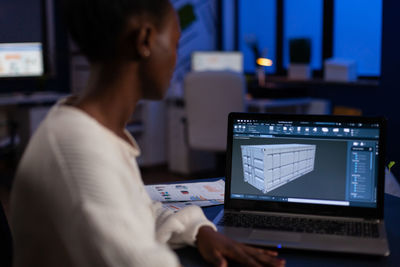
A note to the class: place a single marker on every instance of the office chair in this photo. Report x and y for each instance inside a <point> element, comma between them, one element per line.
<point>209,97</point>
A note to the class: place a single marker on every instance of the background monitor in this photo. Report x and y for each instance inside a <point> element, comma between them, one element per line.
<point>22,38</point>
<point>21,59</point>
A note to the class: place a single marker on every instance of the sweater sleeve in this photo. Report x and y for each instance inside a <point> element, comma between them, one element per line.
<point>180,228</point>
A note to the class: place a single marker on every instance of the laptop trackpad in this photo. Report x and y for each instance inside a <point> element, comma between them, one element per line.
<point>274,236</point>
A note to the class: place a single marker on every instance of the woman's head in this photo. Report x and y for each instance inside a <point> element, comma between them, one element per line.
<point>96,25</point>
<point>144,32</point>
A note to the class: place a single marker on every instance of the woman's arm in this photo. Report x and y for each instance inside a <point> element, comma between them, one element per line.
<point>180,228</point>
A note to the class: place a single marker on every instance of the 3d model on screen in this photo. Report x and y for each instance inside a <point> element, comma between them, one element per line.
<point>267,167</point>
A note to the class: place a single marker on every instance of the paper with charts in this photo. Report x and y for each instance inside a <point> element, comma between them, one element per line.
<point>201,191</point>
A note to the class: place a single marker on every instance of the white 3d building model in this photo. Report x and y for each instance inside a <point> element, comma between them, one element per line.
<point>267,167</point>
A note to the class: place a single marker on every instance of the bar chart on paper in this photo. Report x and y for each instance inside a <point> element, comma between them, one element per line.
<point>187,191</point>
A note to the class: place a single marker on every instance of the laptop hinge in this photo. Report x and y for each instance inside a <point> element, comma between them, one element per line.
<point>372,220</point>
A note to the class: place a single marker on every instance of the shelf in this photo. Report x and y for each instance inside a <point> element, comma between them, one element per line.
<point>282,81</point>
<point>282,87</point>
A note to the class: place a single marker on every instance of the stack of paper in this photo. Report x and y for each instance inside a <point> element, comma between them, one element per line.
<point>178,196</point>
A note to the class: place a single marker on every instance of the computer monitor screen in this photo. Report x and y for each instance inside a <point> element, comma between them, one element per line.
<point>21,59</point>
<point>217,61</point>
<point>22,38</point>
<point>315,162</point>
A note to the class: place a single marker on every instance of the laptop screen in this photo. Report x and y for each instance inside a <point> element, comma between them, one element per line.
<point>305,161</point>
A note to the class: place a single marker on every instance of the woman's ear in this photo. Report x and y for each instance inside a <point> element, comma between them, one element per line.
<point>144,43</point>
<point>138,41</point>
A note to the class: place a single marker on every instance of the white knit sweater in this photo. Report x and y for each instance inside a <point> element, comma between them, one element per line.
<point>79,200</point>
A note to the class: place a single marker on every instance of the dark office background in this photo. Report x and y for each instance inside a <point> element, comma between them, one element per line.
<point>12,14</point>
<point>354,31</point>
<point>372,23</point>
<point>385,99</point>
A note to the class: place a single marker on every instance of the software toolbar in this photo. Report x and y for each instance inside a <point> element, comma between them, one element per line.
<point>319,129</point>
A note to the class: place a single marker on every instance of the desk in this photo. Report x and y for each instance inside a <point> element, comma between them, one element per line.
<point>191,258</point>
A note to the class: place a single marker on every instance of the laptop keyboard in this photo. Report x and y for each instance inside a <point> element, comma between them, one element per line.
<point>301,225</point>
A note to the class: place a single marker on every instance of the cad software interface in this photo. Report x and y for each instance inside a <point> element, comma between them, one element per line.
<point>327,163</point>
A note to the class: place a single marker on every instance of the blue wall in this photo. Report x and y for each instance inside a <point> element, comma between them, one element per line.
<point>304,19</point>
<point>257,19</point>
<point>357,33</point>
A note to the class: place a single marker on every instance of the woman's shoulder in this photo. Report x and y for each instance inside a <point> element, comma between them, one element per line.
<point>68,129</point>
<point>62,118</point>
<point>69,123</point>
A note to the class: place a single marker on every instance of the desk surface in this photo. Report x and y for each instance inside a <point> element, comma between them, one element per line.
<point>191,258</point>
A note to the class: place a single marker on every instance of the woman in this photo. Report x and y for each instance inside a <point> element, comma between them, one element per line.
<point>78,197</point>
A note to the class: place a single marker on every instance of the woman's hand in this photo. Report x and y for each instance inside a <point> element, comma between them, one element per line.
<point>217,249</point>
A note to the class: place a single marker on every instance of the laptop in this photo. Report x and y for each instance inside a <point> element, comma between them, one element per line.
<point>305,182</point>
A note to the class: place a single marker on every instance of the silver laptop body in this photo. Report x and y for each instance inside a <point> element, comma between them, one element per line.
<point>305,182</point>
